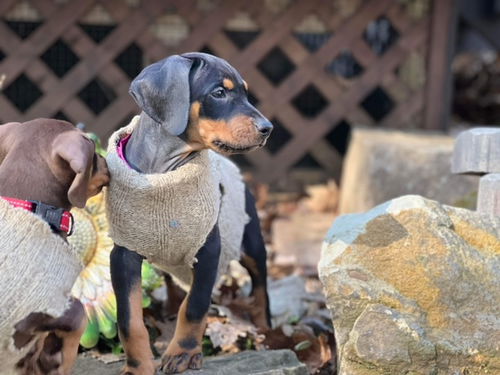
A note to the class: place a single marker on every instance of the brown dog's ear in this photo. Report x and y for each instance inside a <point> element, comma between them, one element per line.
<point>78,151</point>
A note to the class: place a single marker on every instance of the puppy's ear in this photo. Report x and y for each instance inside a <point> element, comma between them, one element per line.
<point>78,151</point>
<point>162,91</point>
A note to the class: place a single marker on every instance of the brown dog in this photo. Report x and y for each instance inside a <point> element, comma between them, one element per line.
<point>50,161</point>
<point>51,165</point>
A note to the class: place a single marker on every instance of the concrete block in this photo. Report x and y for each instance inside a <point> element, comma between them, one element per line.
<point>267,362</point>
<point>477,151</point>
<point>488,197</point>
<point>381,165</point>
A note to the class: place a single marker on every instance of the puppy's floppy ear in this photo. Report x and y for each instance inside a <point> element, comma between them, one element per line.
<point>162,91</point>
<point>78,151</point>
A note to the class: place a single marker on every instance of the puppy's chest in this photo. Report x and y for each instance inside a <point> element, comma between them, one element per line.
<point>167,217</point>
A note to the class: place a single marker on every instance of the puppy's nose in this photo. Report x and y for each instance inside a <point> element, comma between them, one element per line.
<point>264,127</point>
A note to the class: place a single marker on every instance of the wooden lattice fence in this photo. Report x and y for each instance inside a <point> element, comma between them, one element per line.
<point>315,67</point>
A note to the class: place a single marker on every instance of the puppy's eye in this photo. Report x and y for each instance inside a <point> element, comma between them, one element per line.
<point>218,93</point>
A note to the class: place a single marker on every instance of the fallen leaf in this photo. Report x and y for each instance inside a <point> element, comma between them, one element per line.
<point>166,332</point>
<point>317,352</point>
<point>303,345</point>
<point>227,332</point>
<point>322,198</point>
<point>106,357</point>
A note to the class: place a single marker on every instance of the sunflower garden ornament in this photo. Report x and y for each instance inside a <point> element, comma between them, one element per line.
<point>93,286</point>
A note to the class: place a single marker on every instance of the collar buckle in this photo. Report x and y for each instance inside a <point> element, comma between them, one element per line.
<point>54,217</point>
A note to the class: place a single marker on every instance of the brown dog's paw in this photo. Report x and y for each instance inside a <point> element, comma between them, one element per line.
<point>176,363</point>
<point>44,358</point>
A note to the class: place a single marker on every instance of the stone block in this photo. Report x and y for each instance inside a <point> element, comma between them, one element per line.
<point>477,151</point>
<point>488,198</point>
<point>267,362</point>
<point>381,165</point>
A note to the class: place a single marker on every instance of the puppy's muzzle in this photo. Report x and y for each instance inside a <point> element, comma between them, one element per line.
<point>264,127</point>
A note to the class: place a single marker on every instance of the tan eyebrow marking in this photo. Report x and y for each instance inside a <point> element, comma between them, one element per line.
<point>228,84</point>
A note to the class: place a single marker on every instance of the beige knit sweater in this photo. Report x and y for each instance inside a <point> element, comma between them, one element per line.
<point>37,271</point>
<point>167,217</point>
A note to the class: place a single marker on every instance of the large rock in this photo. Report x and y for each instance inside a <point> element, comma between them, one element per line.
<point>269,362</point>
<point>413,288</point>
<point>382,165</point>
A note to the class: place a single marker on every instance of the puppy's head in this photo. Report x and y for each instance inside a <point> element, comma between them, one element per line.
<point>202,99</point>
<point>75,157</point>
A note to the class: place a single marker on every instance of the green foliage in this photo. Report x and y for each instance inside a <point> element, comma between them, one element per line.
<point>114,345</point>
<point>151,280</point>
<point>207,347</point>
<point>98,145</point>
<point>249,344</point>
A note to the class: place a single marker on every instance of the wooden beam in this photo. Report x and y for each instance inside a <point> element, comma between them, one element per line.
<point>300,144</point>
<point>19,58</point>
<point>442,41</point>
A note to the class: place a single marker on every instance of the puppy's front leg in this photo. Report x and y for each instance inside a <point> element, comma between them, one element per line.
<point>126,279</point>
<point>184,351</point>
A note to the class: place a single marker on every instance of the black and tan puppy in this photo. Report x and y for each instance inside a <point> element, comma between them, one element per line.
<point>46,167</point>
<point>190,103</point>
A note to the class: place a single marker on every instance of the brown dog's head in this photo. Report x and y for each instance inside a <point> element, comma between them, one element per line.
<point>75,159</point>
<point>203,100</point>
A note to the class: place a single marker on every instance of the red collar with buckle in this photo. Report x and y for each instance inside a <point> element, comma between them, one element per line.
<point>58,218</point>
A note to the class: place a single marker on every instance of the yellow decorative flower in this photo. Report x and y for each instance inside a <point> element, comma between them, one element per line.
<point>93,286</point>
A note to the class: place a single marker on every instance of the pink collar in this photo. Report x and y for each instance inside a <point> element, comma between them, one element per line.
<point>122,144</point>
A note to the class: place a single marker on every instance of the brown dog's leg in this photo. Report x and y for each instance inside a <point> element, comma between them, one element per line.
<point>77,320</point>
<point>184,351</point>
<point>126,279</point>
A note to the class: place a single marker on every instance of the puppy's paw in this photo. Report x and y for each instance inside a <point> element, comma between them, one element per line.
<point>180,362</point>
<point>139,367</point>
